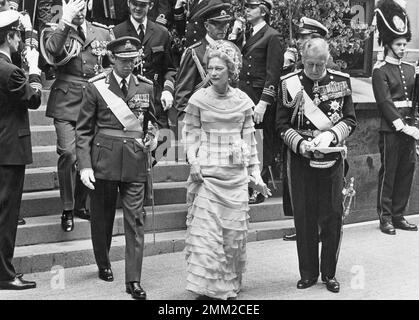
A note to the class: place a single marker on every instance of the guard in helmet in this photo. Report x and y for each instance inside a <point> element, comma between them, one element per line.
<point>393,83</point>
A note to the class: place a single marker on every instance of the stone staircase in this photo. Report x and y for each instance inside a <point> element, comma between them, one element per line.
<point>41,243</point>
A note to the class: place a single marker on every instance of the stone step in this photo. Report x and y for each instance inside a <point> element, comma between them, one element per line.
<point>47,229</point>
<point>38,118</point>
<point>44,156</point>
<point>43,135</point>
<point>43,257</point>
<point>44,203</point>
<point>46,178</point>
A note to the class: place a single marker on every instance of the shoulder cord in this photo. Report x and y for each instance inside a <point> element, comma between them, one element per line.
<point>75,48</point>
<point>295,103</point>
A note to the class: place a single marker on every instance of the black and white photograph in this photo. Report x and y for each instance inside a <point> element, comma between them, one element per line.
<point>207,156</point>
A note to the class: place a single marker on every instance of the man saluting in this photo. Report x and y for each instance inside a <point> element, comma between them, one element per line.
<point>114,136</point>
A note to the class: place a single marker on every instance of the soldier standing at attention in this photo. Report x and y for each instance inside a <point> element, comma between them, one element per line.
<point>315,110</point>
<point>76,48</point>
<point>114,136</point>
<point>17,95</point>
<point>393,83</point>
<point>262,64</point>
<point>157,56</point>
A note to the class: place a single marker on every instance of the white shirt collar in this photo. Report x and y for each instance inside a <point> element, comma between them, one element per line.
<point>119,79</point>
<point>258,27</point>
<point>392,60</point>
<point>209,39</point>
<point>137,25</point>
<point>6,54</point>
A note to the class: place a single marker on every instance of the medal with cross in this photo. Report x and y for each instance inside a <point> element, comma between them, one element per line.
<point>335,110</point>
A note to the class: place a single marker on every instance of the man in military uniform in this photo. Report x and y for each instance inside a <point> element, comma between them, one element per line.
<point>316,112</point>
<point>158,64</point>
<point>162,12</point>
<point>192,71</point>
<point>393,84</point>
<point>76,48</point>
<point>114,138</point>
<point>188,20</point>
<point>259,77</point>
<point>17,95</point>
<point>308,29</point>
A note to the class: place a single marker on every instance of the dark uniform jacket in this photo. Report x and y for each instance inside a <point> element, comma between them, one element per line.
<point>16,96</point>
<point>335,103</point>
<point>262,64</point>
<point>393,82</point>
<point>158,62</point>
<point>162,12</point>
<point>68,89</point>
<point>191,27</point>
<point>111,158</point>
<point>188,78</point>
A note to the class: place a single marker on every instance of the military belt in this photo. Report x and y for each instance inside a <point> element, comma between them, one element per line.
<point>71,78</point>
<point>403,104</point>
<point>121,133</point>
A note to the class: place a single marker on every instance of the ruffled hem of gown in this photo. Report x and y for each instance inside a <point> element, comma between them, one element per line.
<point>216,239</point>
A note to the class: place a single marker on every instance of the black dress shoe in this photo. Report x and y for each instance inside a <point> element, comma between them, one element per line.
<point>135,290</point>
<point>106,274</point>
<point>290,237</point>
<point>17,284</point>
<point>21,222</point>
<point>306,283</point>
<point>82,214</point>
<point>387,227</point>
<point>67,221</point>
<point>331,284</point>
<point>256,198</point>
<point>404,225</point>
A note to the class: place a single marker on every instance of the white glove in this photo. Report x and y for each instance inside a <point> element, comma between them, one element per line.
<point>166,100</point>
<point>25,20</point>
<point>290,56</point>
<point>305,149</point>
<point>32,57</point>
<point>71,9</point>
<point>411,131</point>
<point>260,111</point>
<point>87,176</point>
<point>324,139</point>
<point>180,3</point>
<point>259,185</point>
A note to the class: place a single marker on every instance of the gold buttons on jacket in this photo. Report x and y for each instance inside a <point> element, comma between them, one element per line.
<point>125,141</point>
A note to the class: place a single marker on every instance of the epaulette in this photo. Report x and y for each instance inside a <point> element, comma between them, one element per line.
<point>379,64</point>
<point>52,25</point>
<point>339,73</point>
<point>144,79</point>
<point>100,25</point>
<point>196,44</point>
<point>291,74</point>
<point>99,76</point>
<point>409,63</point>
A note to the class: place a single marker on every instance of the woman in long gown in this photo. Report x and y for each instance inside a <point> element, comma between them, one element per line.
<point>221,149</point>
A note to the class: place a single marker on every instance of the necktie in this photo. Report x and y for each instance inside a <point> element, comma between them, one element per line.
<point>81,33</point>
<point>124,87</point>
<point>251,31</point>
<point>141,33</point>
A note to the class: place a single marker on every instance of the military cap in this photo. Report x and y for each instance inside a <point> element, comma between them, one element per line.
<point>215,10</point>
<point>268,3</point>
<point>125,47</point>
<point>392,22</point>
<point>310,26</point>
<point>9,20</point>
